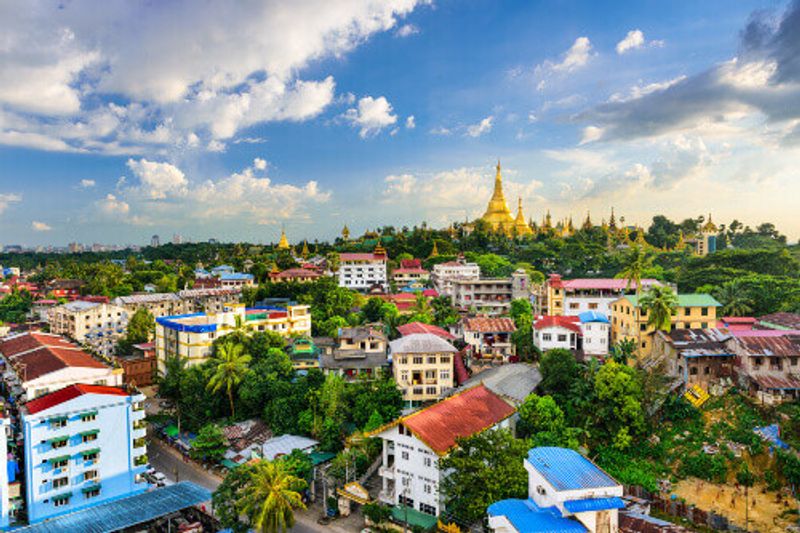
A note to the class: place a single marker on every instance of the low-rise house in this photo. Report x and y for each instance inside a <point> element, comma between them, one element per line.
<point>444,274</point>
<point>296,275</point>
<point>696,356</point>
<point>629,321</point>
<point>490,296</point>
<point>488,338</point>
<point>39,363</point>
<point>575,296</point>
<point>413,444</point>
<point>567,493</point>
<point>285,445</point>
<point>304,354</point>
<point>552,332</point>
<point>359,351</point>
<point>413,328</point>
<point>410,274</point>
<point>236,280</point>
<point>422,364</point>
<point>41,309</point>
<point>407,301</point>
<point>363,271</point>
<point>513,382</point>
<point>65,288</point>
<point>769,365</point>
<point>97,325</point>
<point>781,321</point>
<point>139,367</point>
<point>596,332</point>
<point>84,445</point>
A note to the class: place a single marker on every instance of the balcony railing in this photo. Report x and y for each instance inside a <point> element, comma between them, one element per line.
<point>140,461</point>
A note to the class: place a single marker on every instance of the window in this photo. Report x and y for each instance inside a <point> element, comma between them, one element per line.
<point>89,417</point>
<point>546,337</point>
<point>562,338</point>
<point>89,437</point>
<point>432,360</point>
<point>706,370</point>
<point>404,456</point>
<point>757,361</point>
<point>793,361</point>
<point>90,475</point>
<point>404,376</point>
<point>428,462</point>
<point>428,490</point>
<point>573,305</point>
<point>427,509</point>
<point>60,443</point>
<point>60,501</point>
<point>60,482</point>
<point>704,325</point>
<point>431,391</point>
<point>704,311</point>
<point>402,360</point>
<point>445,374</point>
<point>59,422</point>
<point>93,492</point>
<point>592,306</point>
<point>60,463</point>
<point>90,456</point>
<point>444,359</point>
<point>417,360</point>
<point>643,327</point>
<point>430,374</point>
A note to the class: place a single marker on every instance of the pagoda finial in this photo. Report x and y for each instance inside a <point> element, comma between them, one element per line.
<point>283,244</point>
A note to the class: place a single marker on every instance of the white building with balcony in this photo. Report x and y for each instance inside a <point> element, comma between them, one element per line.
<point>363,271</point>
<point>490,296</point>
<point>98,325</point>
<point>444,274</point>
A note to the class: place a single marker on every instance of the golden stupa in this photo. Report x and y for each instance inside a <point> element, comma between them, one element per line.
<point>283,244</point>
<point>498,215</point>
<point>520,226</point>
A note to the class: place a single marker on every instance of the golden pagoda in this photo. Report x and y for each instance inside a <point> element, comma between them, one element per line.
<point>345,233</point>
<point>587,224</point>
<point>520,226</point>
<point>498,215</point>
<point>640,237</point>
<point>547,222</point>
<point>283,244</point>
<point>709,226</point>
<point>434,251</point>
<point>681,241</point>
<point>305,253</point>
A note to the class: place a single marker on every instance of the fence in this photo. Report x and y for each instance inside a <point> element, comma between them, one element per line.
<point>680,509</point>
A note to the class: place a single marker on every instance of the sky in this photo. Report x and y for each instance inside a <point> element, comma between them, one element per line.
<point>231,120</point>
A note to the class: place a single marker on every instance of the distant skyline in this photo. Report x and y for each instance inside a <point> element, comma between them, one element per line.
<point>120,120</point>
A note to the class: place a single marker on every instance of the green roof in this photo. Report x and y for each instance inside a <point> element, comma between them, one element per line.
<point>90,452</point>
<point>59,439</point>
<point>321,457</point>
<point>230,465</point>
<point>686,300</point>
<point>401,514</point>
<point>59,459</point>
<point>171,430</point>
<point>91,488</point>
<point>90,432</point>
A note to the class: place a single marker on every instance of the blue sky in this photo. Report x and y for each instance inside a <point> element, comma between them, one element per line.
<point>229,121</point>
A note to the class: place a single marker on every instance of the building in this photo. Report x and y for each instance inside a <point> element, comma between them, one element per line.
<point>596,331</point>
<point>363,271</point>
<point>781,321</point>
<point>84,445</point>
<point>695,356</point>
<point>191,336</point>
<point>552,332</point>
<point>413,444</point>
<point>694,311</point>
<point>211,300</point>
<point>575,296</point>
<point>159,304</point>
<point>65,288</point>
<point>420,327</point>
<point>769,366</point>
<point>567,493</point>
<point>705,242</point>
<point>5,489</point>
<point>410,274</point>
<point>444,274</point>
<point>498,215</point>
<point>39,363</point>
<point>296,275</point>
<point>304,354</point>
<point>490,296</point>
<point>97,325</point>
<point>155,241</point>
<point>236,280</point>
<point>422,364</point>
<point>359,351</point>
<point>513,382</point>
<point>488,338</point>
<point>139,367</point>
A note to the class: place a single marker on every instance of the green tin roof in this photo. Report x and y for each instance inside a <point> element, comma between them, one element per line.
<point>401,514</point>
<point>90,452</point>
<point>90,432</point>
<point>59,458</point>
<point>686,300</point>
<point>59,439</point>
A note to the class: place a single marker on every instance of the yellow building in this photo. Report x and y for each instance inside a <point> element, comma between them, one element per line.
<point>628,321</point>
<point>422,364</point>
<point>498,215</point>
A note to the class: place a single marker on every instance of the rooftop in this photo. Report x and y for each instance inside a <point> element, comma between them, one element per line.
<point>285,444</point>
<point>421,343</point>
<point>566,322</point>
<point>610,284</point>
<point>686,300</point>
<point>362,257</point>
<point>489,325</point>
<point>781,320</point>
<point>42,403</point>
<point>33,355</point>
<point>152,297</point>
<point>513,381</point>
<point>566,469</point>
<point>785,345</point>
<point>420,327</point>
<point>699,342</point>
<point>592,316</point>
<point>527,517</point>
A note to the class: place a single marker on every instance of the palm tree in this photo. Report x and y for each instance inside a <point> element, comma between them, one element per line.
<point>270,497</point>
<point>634,263</point>
<point>230,367</point>
<point>734,300</point>
<point>659,303</point>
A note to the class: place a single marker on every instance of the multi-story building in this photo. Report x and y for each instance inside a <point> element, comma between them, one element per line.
<point>628,321</point>
<point>490,296</point>
<point>422,364</point>
<point>84,445</point>
<point>159,304</point>
<point>363,271</point>
<point>191,336</point>
<point>566,493</point>
<point>297,275</point>
<point>410,274</point>
<point>572,297</point>
<point>359,351</point>
<point>488,338</point>
<point>768,363</point>
<point>212,300</point>
<point>97,325</point>
<point>596,331</point>
<point>139,367</point>
<point>236,280</point>
<point>5,497</point>
<point>198,300</point>
<point>701,357</point>
<point>41,363</point>
<point>413,444</point>
<point>444,274</point>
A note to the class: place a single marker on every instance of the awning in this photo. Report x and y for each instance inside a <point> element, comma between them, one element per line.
<point>90,452</point>
<point>57,419</point>
<point>318,458</point>
<point>58,459</point>
<point>90,432</point>
<point>88,413</point>
<point>63,495</point>
<point>594,504</point>
<point>90,488</point>
<point>57,440</point>
<point>402,514</point>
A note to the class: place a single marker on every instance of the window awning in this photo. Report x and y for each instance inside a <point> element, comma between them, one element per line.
<point>90,452</point>
<point>58,459</point>
<point>90,488</point>
<point>90,432</point>
<point>63,496</point>
<point>57,440</point>
<point>89,413</point>
<point>57,419</point>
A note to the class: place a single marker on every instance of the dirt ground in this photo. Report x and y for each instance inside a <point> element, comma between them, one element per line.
<point>764,509</point>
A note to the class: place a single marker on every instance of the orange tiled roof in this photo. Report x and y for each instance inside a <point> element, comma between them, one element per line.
<point>489,325</point>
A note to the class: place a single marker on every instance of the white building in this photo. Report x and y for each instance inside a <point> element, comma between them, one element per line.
<point>572,297</point>
<point>38,363</point>
<point>551,332</point>
<point>363,271</point>
<point>98,325</point>
<point>567,493</point>
<point>596,330</point>
<point>5,505</point>
<point>444,274</point>
<point>84,445</point>
<point>413,445</point>
<point>490,296</point>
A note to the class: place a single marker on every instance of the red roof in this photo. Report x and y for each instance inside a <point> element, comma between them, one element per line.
<point>489,325</point>
<point>362,257</point>
<point>611,284</point>
<point>411,263</point>
<point>463,415</point>
<point>409,271</point>
<point>566,322</point>
<point>35,354</point>
<point>461,373</point>
<point>296,273</point>
<point>419,327</point>
<point>69,393</point>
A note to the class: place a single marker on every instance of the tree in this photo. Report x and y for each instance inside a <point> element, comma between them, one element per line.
<point>225,499</point>
<point>230,365</point>
<point>623,350</point>
<point>659,304</point>
<point>209,444</point>
<point>298,464</point>
<point>140,326</point>
<point>559,373</point>
<point>270,497</point>
<point>444,314</point>
<point>619,415</point>
<point>372,309</point>
<point>542,420</point>
<point>635,261</point>
<point>485,468</point>
<point>735,300</point>
<point>169,382</point>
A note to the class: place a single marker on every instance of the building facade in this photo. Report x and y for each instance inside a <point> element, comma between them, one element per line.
<point>359,351</point>
<point>552,332</point>
<point>363,271</point>
<point>596,331</point>
<point>410,274</point>
<point>572,297</point>
<point>444,274</point>
<point>84,445</point>
<point>695,356</point>
<point>488,338</point>
<point>490,296</point>
<point>422,364</point>
<point>98,325</point>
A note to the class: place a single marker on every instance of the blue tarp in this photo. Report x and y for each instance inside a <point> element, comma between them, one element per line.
<point>772,434</point>
<point>12,467</point>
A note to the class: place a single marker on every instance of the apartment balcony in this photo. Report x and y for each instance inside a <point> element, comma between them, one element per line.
<point>386,471</point>
<point>139,432</point>
<point>387,496</point>
<point>140,460</point>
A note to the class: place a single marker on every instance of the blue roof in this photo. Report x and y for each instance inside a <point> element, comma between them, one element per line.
<point>527,517</point>
<point>772,433</point>
<point>594,504</point>
<point>235,276</point>
<point>566,469</point>
<point>592,316</point>
<point>173,323</point>
<point>125,512</point>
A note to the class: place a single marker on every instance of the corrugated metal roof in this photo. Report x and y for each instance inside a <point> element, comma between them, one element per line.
<point>786,345</point>
<point>687,300</point>
<point>285,444</point>
<point>593,316</point>
<point>126,512</point>
<point>594,504</point>
<point>489,325</point>
<point>421,343</point>
<point>566,469</point>
<point>527,517</point>
<point>514,381</point>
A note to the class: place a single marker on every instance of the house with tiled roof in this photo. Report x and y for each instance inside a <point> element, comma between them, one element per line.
<point>297,275</point>
<point>413,328</point>
<point>413,444</point>
<point>358,351</point>
<point>422,364</point>
<point>410,273</point>
<point>40,363</point>
<point>551,332</point>
<point>567,493</point>
<point>487,337</point>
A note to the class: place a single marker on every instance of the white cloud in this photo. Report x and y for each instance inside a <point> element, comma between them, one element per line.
<point>399,184</point>
<point>440,130</point>
<point>406,30</point>
<point>259,164</point>
<point>638,91</point>
<point>635,40</point>
<point>576,57</point>
<point>8,198</point>
<point>484,126</point>
<point>216,146</point>
<point>591,134</point>
<point>371,115</point>
<point>410,122</point>
<point>110,206</point>
<point>87,184</point>
<point>157,181</point>
<point>40,226</point>
<point>188,75</point>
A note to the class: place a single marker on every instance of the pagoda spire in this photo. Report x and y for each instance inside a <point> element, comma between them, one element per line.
<point>497,214</point>
<point>434,251</point>
<point>521,227</point>
<point>283,244</point>
<point>587,224</point>
<point>305,253</point>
